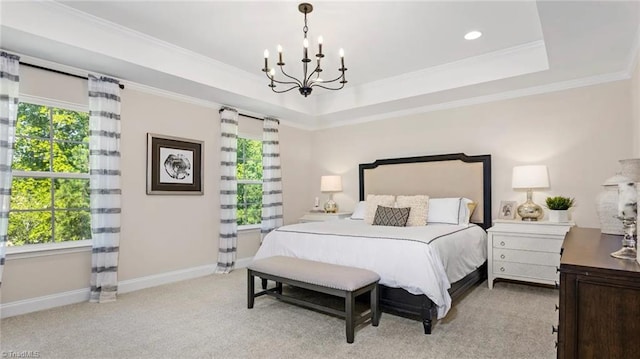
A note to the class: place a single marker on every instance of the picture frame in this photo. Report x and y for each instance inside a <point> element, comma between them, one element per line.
<point>507,210</point>
<point>174,165</point>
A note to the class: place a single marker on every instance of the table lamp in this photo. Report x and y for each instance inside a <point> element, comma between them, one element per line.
<point>330,184</point>
<point>529,178</point>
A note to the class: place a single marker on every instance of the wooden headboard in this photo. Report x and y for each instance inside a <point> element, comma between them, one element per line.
<point>449,175</point>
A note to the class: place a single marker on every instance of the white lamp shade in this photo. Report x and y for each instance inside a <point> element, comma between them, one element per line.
<point>330,183</point>
<point>526,177</point>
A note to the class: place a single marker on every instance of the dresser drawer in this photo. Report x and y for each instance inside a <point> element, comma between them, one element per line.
<point>527,243</point>
<point>526,270</point>
<point>529,257</point>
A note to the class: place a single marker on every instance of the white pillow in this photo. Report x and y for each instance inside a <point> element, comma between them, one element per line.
<point>373,201</point>
<point>444,210</point>
<point>419,205</point>
<point>360,210</point>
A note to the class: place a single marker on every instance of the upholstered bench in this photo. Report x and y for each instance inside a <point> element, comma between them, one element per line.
<point>337,280</point>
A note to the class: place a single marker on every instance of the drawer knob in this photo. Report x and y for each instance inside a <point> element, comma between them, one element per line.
<point>556,345</point>
<point>557,307</point>
<point>501,269</point>
<point>557,269</point>
<point>502,256</point>
<point>502,243</point>
<point>556,285</point>
<point>554,329</point>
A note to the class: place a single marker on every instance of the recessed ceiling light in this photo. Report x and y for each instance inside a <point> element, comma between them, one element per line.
<point>472,35</point>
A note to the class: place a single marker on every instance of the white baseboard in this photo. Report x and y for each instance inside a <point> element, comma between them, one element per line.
<point>82,295</point>
<point>45,302</point>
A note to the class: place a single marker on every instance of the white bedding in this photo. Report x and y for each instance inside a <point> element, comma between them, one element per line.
<point>420,259</point>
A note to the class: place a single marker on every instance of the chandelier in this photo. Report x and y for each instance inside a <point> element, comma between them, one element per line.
<point>309,79</point>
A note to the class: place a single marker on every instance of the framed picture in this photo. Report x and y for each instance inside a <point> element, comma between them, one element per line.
<point>508,209</point>
<point>174,165</point>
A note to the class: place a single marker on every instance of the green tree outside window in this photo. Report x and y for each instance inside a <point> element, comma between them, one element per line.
<point>50,189</point>
<point>249,174</point>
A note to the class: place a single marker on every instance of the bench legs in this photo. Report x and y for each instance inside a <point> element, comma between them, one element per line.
<point>348,308</point>
<point>250,289</point>
<point>349,303</point>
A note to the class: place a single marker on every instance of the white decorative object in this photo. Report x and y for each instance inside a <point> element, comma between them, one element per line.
<point>607,205</point>
<point>558,216</point>
<point>631,168</point>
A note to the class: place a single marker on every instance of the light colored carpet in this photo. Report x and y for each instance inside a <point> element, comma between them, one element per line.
<point>208,318</point>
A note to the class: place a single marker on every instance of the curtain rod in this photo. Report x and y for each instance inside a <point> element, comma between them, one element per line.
<point>59,72</point>
<point>242,114</point>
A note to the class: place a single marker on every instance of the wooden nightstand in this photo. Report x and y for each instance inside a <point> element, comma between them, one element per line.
<point>323,217</point>
<point>525,251</point>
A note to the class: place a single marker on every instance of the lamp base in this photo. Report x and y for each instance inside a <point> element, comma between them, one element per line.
<point>330,206</point>
<point>530,211</point>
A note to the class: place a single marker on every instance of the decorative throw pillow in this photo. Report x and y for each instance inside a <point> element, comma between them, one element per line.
<point>390,216</point>
<point>471,206</point>
<point>419,205</point>
<point>373,201</point>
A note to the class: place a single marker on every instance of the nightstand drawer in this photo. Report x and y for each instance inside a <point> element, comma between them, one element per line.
<point>527,243</point>
<point>526,270</point>
<point>528,257</point>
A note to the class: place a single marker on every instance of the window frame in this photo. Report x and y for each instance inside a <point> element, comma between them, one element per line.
<point>52,247</point>
<point>248,136</point>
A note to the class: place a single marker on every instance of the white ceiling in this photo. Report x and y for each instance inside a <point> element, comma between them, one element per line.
<point>403,57</point>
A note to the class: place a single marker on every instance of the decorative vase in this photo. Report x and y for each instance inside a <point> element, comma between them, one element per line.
<point>630,168</point>
<point>558,216</point>
<point>607,205</point>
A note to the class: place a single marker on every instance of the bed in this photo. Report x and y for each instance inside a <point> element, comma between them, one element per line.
<point>423,269</point>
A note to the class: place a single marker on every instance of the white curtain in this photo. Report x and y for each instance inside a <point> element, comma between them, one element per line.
<point>104,165</point>
<point>228,190</point>
<point>271,177</point>
<point>9,88</point>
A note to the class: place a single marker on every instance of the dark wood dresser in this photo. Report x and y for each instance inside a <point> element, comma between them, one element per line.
<point>599,298</point>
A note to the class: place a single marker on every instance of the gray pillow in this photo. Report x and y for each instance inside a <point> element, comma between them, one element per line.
<point>389,216</point>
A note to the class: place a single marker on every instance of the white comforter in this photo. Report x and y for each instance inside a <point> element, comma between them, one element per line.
<point>421,260</point>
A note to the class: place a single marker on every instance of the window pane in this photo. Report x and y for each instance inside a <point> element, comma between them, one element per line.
<point>29,228</point>
<point>71,193</point>
<point>72,225</point>
<point>249,203</point>
<point>33,120</point>
<point>249,159</point>
<point>70,157</point>
<point>30,193</point>
<point>31,155</point>
<point>70,125</point>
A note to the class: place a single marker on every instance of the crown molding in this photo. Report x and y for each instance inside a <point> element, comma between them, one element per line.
<point>632,60</point>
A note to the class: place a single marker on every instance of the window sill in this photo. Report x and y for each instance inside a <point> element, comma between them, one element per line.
<point>48,249</point>
<point>249,227</point>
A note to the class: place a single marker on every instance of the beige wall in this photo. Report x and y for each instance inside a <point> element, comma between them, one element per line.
<point>635,107</point>
<point>580,134</point>
<point>160,233</point>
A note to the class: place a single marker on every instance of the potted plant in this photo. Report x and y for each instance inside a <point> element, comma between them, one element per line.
<point>559,208</point>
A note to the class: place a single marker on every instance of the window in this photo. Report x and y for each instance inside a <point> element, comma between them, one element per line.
<point>249,174</point>
<point>50,189</point>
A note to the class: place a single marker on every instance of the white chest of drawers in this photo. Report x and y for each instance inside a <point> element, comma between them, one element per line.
<point>525,251</point>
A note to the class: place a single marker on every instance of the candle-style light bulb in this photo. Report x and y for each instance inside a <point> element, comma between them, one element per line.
<point>279,54</point>
<point>341,52</point>
<point>266,60</point>
<point>320,39</point>
<point>272,73</point>
<point>305,43</point>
